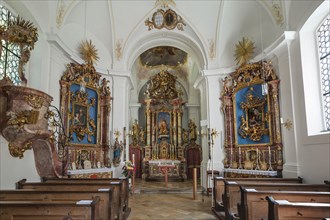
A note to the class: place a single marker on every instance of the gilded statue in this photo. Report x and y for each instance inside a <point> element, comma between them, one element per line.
<point>192,130</point>
<point>135,132</point>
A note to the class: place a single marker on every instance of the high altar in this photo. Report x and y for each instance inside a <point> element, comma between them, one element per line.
<point>164,145</point>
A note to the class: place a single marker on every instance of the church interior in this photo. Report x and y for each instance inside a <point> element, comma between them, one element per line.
<point>225,100</point>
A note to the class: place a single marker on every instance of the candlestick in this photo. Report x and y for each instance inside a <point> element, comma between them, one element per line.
<point>270,159</point>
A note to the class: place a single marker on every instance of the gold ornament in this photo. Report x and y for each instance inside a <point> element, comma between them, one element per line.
<point>88,52</point>
<point>244,51</point>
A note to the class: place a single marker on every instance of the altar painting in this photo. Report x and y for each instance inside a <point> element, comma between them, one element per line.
<point>83,115</point>
<point>252,118</point>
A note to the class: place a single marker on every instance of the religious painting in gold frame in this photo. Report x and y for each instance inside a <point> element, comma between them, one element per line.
<point>252,119</point>
<point>83,112</point>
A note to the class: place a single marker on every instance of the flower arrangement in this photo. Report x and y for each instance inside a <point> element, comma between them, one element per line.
<point>128,169</point>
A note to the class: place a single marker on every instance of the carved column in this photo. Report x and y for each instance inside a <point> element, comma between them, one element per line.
<point>179,128</point>
<point>275,107</point>
<point>148,122</point>
<point>175,128</point>
<point>105,108</point>
<point>229,139</point>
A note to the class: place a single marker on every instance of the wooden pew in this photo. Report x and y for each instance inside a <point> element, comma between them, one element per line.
<point>254,205</point>
<point>232,194</point>
<point>219,186</point>
<point>117,200</point>
<point>283,209</point>
<point>51,210</point>
<point>104,196</point>
<point>124,190</point>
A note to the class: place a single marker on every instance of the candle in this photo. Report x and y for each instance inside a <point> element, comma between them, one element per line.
<point>133,159</point>
<point>239,150</point>
<point>231,151</point>
<point>269,151</point>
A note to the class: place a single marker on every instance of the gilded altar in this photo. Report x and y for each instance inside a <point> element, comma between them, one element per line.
<point>163,139</point>
<point>85,108</point>
<point>253,143</point>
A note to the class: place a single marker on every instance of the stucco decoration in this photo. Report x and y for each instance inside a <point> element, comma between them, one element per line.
<point>276,9</point>
<point>62,9</point>
<point>211,49</point>
<point>119,49</point>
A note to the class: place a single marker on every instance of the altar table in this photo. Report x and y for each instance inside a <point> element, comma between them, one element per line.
<point>164,169</point>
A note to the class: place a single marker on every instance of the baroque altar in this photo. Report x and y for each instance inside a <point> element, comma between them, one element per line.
<point>253,142</point>
<point>85,109</point>
<point>164,145</point>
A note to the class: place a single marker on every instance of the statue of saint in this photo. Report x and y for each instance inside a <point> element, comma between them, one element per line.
<point>192,130</point>
<point>135,132</point>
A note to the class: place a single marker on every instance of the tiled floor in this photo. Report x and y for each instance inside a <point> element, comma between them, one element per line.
<point>151,200</point>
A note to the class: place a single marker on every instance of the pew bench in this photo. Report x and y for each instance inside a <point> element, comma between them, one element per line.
<point>105,197</point>
<point>118,200</point>
<point>124,180</point>
<point>219,186</point>
<point>232,195</point>
<point>253,204</point>
<point>50,210</point>
<point>284,209</point>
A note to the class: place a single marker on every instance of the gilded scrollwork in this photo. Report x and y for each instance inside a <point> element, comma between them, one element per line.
<point>162,86</point>
<point>18,151</point>
<point>34,101</point>
<point>22,118</point>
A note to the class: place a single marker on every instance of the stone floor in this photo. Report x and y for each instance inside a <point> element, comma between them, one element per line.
<point>152,200</point>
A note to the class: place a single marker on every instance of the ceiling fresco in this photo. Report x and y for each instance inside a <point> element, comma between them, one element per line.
<point>168,56</point>
<point>152,60</point>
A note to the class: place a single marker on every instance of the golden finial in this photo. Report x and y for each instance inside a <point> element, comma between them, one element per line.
<point>244,51</point>
<point>88,52</point>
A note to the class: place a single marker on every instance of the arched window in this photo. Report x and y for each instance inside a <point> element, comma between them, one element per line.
<point>9,53</point>
<point>323,36</point>
<point>315,61</point>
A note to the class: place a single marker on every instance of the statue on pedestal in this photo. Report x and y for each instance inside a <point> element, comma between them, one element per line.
<point>192,130</point>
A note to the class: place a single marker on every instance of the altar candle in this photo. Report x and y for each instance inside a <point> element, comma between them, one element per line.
<point>239,150</point>
<point>231,151</point>
<point>133,159</point>
<point>269,152</point>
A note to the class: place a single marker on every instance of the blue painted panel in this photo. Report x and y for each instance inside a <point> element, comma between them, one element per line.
<point>92,112</point>
<point>240,96</point>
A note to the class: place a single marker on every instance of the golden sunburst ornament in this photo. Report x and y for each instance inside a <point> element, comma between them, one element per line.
<point>244,51</point>
<point>88,52</point>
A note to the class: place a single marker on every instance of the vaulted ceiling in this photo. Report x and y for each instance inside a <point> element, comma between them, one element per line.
<point>118,30</point>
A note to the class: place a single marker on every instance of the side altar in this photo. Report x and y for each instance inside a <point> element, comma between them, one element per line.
<point>163,117</point>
